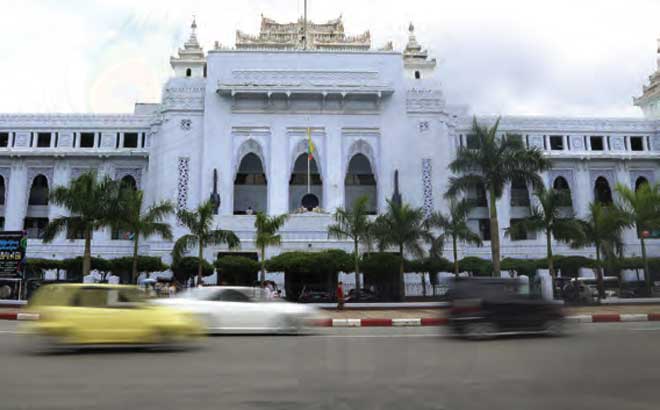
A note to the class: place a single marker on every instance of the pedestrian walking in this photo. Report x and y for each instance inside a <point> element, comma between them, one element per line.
<point>171,290</point>
<point>340,296</point>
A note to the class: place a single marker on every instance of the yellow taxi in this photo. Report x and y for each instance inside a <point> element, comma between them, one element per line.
<point>72,315</point>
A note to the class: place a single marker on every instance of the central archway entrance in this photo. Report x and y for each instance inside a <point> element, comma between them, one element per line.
<point>299,197</point>
<point>250,186</point>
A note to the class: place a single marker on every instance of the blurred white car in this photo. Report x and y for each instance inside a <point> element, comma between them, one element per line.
<point>235,309</point>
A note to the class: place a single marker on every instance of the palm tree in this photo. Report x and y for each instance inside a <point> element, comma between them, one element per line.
<point>143,224</point>
<point>353,224</point>
<point>199,222</point>
<point>267,227</point>
<point>404,227</point>
<point>455,226</point>
<point>642,206</point>
<point>494,163</point>
<point>602,229</point>
<point>551,218</point>
<point>91,204</point>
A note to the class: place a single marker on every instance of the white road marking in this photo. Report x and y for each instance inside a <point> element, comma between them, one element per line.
<point>644,329</point>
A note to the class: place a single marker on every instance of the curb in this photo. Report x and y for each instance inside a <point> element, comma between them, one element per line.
<point>413,322</point>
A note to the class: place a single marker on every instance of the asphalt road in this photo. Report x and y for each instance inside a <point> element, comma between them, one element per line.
<point>600,366</point>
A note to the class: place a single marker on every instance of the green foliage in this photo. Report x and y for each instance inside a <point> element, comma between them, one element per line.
<point>186,267</point>
<point>381,263</point>
<point>36,266</point>
<point>475,266</point>
<point>123,267</point>
<point>330,261</point>
<point>429,265</point>
<point>74,267</point>
<point>569,266</point>
<point>525,267</point>
<point>237,270</point>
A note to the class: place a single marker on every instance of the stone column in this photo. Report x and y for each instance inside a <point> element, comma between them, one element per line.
<point>16,197</point>
<point>334,165</point>
<point>61,176</point>
<point>278,173</point>
<point>582,190</point>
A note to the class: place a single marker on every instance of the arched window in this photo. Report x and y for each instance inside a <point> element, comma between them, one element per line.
<point>2,190</point>
<point>250,186</point>
<point>39,191</point>
<point>602,191</point>
<point>519,192</point>
<point>129,182</point>
<point>188,72</point>
<point>561,185</point>
<point>298,183</point>
<point>360,181</point>
<point>639,182</point>
<point>418,75</point>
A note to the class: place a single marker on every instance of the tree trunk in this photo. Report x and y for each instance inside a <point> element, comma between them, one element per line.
<point>262,273</point>
<point>424,284</point>
<point>87,253</point>
<point>402,284</point>
<point>551,263</point>
<point>453,238</point>
<point>647,272</point>
<point>494,234</point>
<point>134,269</point>
<point>199,265</point>
<point>357,271</point>
<point>599,275</point>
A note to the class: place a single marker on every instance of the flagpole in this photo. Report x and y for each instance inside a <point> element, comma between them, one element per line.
<point>308,168</point>
<point>305,29</point>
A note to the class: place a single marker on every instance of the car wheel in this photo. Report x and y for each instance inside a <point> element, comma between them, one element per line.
<point>288,325</point>
<point>554,327</point>
<point>43,344</point>
<point>479,330</point>
<point>168,341</point>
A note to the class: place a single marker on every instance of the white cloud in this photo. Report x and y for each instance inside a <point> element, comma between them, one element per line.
<point>557,57</point>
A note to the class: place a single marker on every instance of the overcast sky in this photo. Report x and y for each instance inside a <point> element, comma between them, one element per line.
<point>549,57</point>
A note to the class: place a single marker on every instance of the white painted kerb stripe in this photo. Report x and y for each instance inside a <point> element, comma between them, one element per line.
<point>27,316</point>
<point>345,322</point>
<point>407,322</point>
<point>580,318</point>
<point>634,317</point>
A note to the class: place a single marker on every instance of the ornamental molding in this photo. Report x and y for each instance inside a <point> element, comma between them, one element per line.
<point>569,175</point>
<point>427,185</point>
<point>76,172</point>
<point>183,99</point>
<point>564,125</point>
<point>298,145</point>
<point>32,173</point>
<point>649,174</point>
<point>250,146</point>
<point>424,101</point>
<point>365,147</point>
<point>50,121</point>
<point>136,173</point>
<point>617,143</point>
<point>183,177</point>
<point>607,173</point>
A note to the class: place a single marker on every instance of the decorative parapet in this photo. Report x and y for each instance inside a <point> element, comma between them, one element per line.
<point>424,101</point>
<point>532,124</point>
<point>183,99</point>
<point>51,121</point>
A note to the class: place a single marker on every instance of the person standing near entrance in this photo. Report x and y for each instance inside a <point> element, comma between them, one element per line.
<point>340,296</point>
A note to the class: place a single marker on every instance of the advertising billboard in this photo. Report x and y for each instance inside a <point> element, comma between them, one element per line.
<point>13,246</point>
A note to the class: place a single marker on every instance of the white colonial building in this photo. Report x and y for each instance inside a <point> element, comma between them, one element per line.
<point>235,122</point>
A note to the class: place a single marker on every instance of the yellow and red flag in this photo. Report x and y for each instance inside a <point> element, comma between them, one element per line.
<point>310,145</point>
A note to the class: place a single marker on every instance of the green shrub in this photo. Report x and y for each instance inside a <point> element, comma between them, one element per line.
<point>525,267</point>
<point>475,266</point>
<point>73,267</point>
<point>186,267</point>
<point>123,267</point>
<point>429,265</point>
<point>330,261</point>
<point>381,264</point>
<point>569,266</point>
<point>237,270</point>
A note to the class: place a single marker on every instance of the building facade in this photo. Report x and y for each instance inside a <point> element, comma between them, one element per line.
<point>238,122</point>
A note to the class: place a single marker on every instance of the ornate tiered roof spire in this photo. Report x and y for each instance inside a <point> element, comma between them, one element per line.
<point>290,36</point>
<point>649,101</point>
<point>192,41</point>
<point>413,54</point>
<point>191,57</point>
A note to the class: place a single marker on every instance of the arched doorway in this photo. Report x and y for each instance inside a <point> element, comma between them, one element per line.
<point>250,186</point>
<point>299,182</point>
<point>566,200</point>
<point>129,182</point>
<point>639,182</point>
<point>602,191</point>
<point>360,181</point>
<point>36,217</point>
